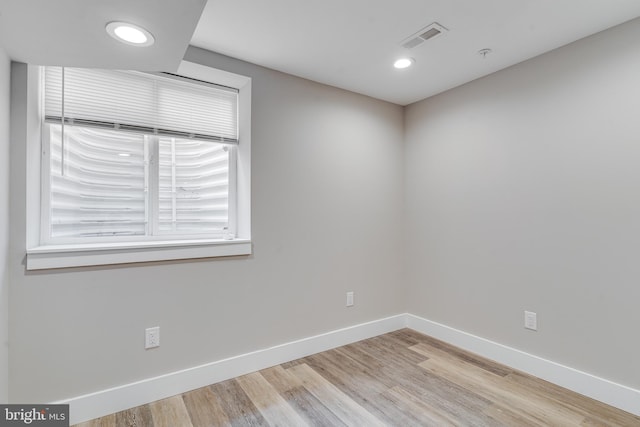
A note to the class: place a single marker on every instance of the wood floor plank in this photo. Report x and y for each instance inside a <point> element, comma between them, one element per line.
<point>365,385</point>
<point>508,417</point>
<point>140,416</point>
<point>416,411</point>
<point>237,405</point>
<point>387,350</point>
<point>170,412</point>
<point>347,373</point>
<point>407,336</point>
<point>292,363</point>
<point>269,402</point>
<point>431,346</point>
<point>445,395</point>
<point>314,412</point>
<point>107,421</point>
<point>306,404</point>
<point>451,398</point>
<point>354,380</point>
<point>414,335</point>
<point>594,423</point>
<point>524,384</point>
<point>333,398</point>
<point>473,378</point>
<point>438,392</point>
<point>280,379</point>
<point>204,408</point>
<point>597,412</point>
<point>362,388</point>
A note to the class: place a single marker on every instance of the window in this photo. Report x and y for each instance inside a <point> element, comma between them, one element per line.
<point>138,167</point>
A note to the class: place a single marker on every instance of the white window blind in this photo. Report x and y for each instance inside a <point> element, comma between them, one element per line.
<point>109,188</point>
<point>103,191</point>
<point>129,100</point>
<point>136,157</point>
<point>193,186</point>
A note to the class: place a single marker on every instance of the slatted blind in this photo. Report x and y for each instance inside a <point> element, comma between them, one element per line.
<point>103,191</point>
<point>139,156</point>
<point>194,186</point>
<point>135,101</point>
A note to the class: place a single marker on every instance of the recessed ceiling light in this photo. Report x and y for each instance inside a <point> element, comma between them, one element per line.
<point>403,63</point>
<point>130,34</point>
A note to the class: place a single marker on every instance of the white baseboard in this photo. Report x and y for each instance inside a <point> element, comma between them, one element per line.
<point>98,404</point>
<point>617,395</point>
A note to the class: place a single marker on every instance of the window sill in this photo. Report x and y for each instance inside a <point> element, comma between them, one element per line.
<point>62,256</point>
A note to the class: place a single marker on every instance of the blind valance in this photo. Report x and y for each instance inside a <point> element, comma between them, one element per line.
<point>141,102</point>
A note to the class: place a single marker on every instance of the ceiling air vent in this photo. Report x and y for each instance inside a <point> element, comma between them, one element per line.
<point>429,32</point>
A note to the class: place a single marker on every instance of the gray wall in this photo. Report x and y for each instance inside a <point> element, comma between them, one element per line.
<point>523,192</point>
<point>327,170</point>
<point>4,225</point>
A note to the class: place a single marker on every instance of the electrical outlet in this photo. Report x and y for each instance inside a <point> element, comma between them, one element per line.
<point>152,337</point>
<point>349,299</point>
<point>531,320</point>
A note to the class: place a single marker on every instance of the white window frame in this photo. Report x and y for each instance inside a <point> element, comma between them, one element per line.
<point>41,256</point>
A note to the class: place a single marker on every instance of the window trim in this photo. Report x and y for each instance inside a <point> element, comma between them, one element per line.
<point>91,254</point>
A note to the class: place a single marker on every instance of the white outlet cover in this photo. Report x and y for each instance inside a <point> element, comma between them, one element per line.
<point>152,337</point>
<point>531,320</point>
<point>349,299</point>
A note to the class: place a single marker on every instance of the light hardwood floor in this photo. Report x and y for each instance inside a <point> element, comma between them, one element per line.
<point>398,379</point>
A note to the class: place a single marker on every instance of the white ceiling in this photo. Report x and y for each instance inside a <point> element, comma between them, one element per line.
<point>352,44</point>
<point>345,43</point>
<point>72,32</point>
